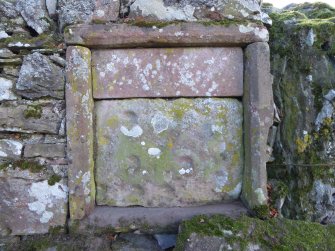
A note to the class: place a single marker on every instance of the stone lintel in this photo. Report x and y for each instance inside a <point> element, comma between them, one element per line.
<point>172,35</point>
<point>167,72</point>
<point>258,118</point>
<point>79,114</point>
<point>152,220</point>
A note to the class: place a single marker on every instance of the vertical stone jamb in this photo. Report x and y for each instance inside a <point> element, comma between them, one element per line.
<point>79,117</point>
<point>258,118</point>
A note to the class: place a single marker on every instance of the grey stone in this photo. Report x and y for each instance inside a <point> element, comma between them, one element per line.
<point>31,206</point>
<point>166,241</point>
<point>135,242</point>
<point>197,242</point>
<point>44,150</point>
<point>29,117</point>
<point>39,77</point>
<point>34,13</point>
<point>258,118</point>
<point>10,148</point>
<point>8,9</point>
<point>6,90</point>
<point>10,61</point>
<point>125,7</point>
<point>58,60</point>
<point>51,7</point>
<point>5,53</point>
<point>75,11</point>
<point>190,10</point>
<point>12,71</point>
<point>3,34</point>
<point>148,152</point>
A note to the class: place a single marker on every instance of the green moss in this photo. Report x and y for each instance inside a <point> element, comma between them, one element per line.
<point>33,111</point>
<point>261,211</point>
<point>150,24</point>
<point>32,166</point>
<point>274,234</point>
<point>54,179</point>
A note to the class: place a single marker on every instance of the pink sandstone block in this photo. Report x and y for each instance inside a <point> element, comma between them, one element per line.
<point>172,72</point>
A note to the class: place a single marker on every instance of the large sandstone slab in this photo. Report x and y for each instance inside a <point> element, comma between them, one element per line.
<point>157,153</point>
<point>135,35</point>
<point>167,72</point>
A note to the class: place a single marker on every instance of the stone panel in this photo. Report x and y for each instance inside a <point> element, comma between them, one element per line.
<point>167,72</point>
<point>258,118</point>
<point>44,150</point>
<point>79,119</point>
<point>158,153</point>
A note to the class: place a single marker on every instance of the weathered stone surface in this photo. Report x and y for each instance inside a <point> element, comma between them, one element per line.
<point>10,61</point>
<point>30,205</point>
<point>28,116</point>
<point>192,10</point>
<point>6,89</point>
<point>304,88</point>
<point>258,118</point>
<point>153,220</point>
<point>222,233</point>
<point>5,53</point>
<point>44,150</point>
<point>75,11</point>
<point>51,7</point>
<point>171,35</point>
<point>35,14</point>
<point>79,114</point>
<point>39,77</point>
<point>10,148</point>
<point>140,242</point>
<point>167,72</point>
<point>106,10</point>
<point>149,152</point>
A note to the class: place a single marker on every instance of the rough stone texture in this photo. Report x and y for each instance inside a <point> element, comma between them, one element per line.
<point>167,73</point>
<point>138,242</point>
<point>51,7</point>
<point>29,204</point>
<point>79,114</point>
<point>149,152</point>
<point>74,11</point>
<point>39,77</point>
<point>106,10</point>
<point>44,150</point>
<point>35,14</point>
<point>222,233</point>
<point>258,118</point>
<point>172,35</point>
<point>10,148</point>
<point>192,10</point>
<point>152,220</point>
<point>303,67</point>
<point>28,116</point>
<point>6,90</point>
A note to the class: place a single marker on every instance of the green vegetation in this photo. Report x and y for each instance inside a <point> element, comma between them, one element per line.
<point>274,234</point>
<point>33,111</point>
<point>32,166</point>
<point>54,179</point>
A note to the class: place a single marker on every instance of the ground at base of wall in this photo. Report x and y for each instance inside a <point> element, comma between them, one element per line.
<point>200,233</point>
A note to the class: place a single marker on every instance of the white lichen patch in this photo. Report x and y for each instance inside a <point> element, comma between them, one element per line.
<point>154,151</point>
<point>235,193</point>
<point>185,171</point>
<point>3,35</point>
<point>47,199</point>
<point>221,181</point>
<point>160,123</point>
<point>262,33</point>
<point>135,132</point>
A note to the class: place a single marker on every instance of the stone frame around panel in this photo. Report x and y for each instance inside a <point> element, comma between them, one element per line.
<point>257,103</point>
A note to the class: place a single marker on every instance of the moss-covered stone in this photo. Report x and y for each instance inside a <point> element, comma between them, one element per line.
<point>33,111</point>
<point>274,234</point>
<point>302,53</point>
<point>54,179</point>
<point>30,165</point>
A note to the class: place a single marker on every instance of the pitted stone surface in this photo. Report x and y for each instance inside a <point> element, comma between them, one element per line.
<point>167,72</point>
<point>29,205</point>
<point>106,10</point>
<point>10,148</point>
<point>168,153</point>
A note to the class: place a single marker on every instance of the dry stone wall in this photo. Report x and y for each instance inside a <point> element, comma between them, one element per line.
<point>34,153</point>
